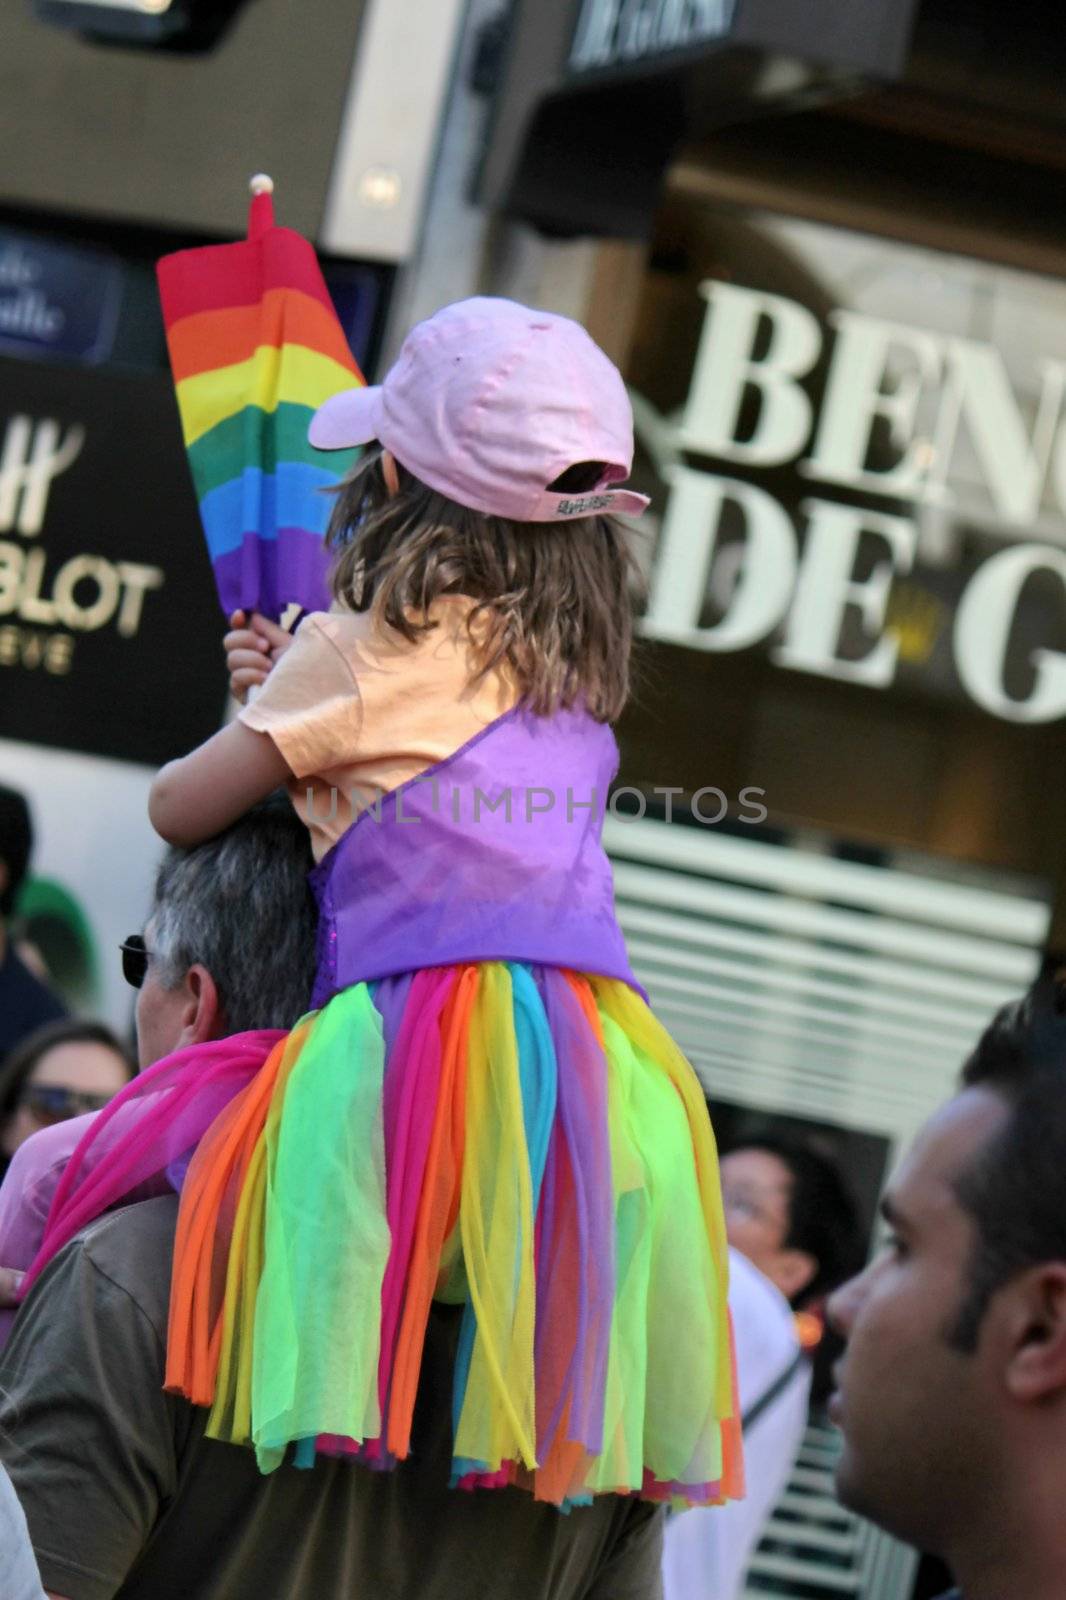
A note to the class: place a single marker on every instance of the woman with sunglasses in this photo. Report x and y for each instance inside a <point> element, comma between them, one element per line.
<point>61,1070</point>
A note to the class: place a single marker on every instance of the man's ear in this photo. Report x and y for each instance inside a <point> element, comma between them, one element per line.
<point>202,1017</point>
<point>1032,1319</point>
<point>793,1271</point>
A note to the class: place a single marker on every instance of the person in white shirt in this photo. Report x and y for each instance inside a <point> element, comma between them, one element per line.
<point>19,1578</point>
<point>792,1233</point>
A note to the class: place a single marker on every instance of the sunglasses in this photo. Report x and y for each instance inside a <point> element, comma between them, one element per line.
<point>134,960</point>
<point>52,1103</point>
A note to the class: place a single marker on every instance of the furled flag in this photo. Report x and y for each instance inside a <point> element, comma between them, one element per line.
<point>255,347</point>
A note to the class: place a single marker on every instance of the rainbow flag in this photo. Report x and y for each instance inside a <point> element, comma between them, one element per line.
<point>255,347</point>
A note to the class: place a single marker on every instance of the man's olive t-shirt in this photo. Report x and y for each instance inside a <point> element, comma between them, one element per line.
<point>125,1497</point>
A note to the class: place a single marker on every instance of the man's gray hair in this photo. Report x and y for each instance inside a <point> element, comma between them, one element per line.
<point>240,906</point>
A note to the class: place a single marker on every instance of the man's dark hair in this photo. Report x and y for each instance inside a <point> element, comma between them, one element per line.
<point>240,905</point>
<point>16,845</point>
<point>823,1218</point>
<point>1015,1189</point>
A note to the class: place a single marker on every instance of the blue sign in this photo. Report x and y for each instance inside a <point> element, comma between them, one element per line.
<point>356,295</point>
<point>57,299</point>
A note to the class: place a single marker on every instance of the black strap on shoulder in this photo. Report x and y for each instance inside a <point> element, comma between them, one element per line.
<point>776,1389</point>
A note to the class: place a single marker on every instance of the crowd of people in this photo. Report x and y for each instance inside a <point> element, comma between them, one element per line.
<point>402,1262</point>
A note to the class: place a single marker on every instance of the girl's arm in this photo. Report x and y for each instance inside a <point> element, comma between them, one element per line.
<point>195,798</point>
<point>198,795</point>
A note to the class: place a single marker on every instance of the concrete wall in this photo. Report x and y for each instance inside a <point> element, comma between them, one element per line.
<point>159,137</point>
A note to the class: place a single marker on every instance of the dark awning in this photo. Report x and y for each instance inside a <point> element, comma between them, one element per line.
<point>596,94</point>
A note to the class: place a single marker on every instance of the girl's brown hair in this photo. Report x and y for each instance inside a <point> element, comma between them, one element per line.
<point>552,602</point>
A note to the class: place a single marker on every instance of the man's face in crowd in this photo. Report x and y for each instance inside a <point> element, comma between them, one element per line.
<point>919,1416</point>
<point>757,1199</point>
<point>160,1012</point>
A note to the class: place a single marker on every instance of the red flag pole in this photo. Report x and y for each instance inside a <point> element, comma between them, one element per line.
<point>261,210</point>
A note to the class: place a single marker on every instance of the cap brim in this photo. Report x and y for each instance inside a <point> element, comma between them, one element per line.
<point>347,419</point>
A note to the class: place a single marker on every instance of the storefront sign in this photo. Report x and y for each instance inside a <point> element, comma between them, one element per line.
<point>596,95</point>
<point>357,293</point>
<point>931,395</point>
<point>109,625</point>
<point>56,299</point>
<point>613,33</point>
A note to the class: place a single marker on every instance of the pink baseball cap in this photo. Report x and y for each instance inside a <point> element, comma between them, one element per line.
<point>488,403</point>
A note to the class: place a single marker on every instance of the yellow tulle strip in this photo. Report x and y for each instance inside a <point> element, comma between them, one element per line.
<point>497,1421</point>
<point>231,1414</point>
<point>672,1266</point>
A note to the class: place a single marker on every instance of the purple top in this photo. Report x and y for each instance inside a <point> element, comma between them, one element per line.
<point>491,855</point>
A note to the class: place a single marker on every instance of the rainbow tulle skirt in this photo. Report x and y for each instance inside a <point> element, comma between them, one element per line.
<point>524,1142</point>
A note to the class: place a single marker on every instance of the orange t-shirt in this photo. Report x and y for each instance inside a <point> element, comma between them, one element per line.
<point>356,710</point>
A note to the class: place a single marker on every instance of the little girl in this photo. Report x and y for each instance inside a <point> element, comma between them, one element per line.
<point>480,1107</point>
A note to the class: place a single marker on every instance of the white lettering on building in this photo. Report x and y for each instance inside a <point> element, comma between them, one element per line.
<point>982,628</point>
<point>610,32</point>
<point>81,594</point>
<point>880,376</point>
<point>33,454</point>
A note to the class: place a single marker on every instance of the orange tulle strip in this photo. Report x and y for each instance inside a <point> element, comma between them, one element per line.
<point>210,1197</point>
